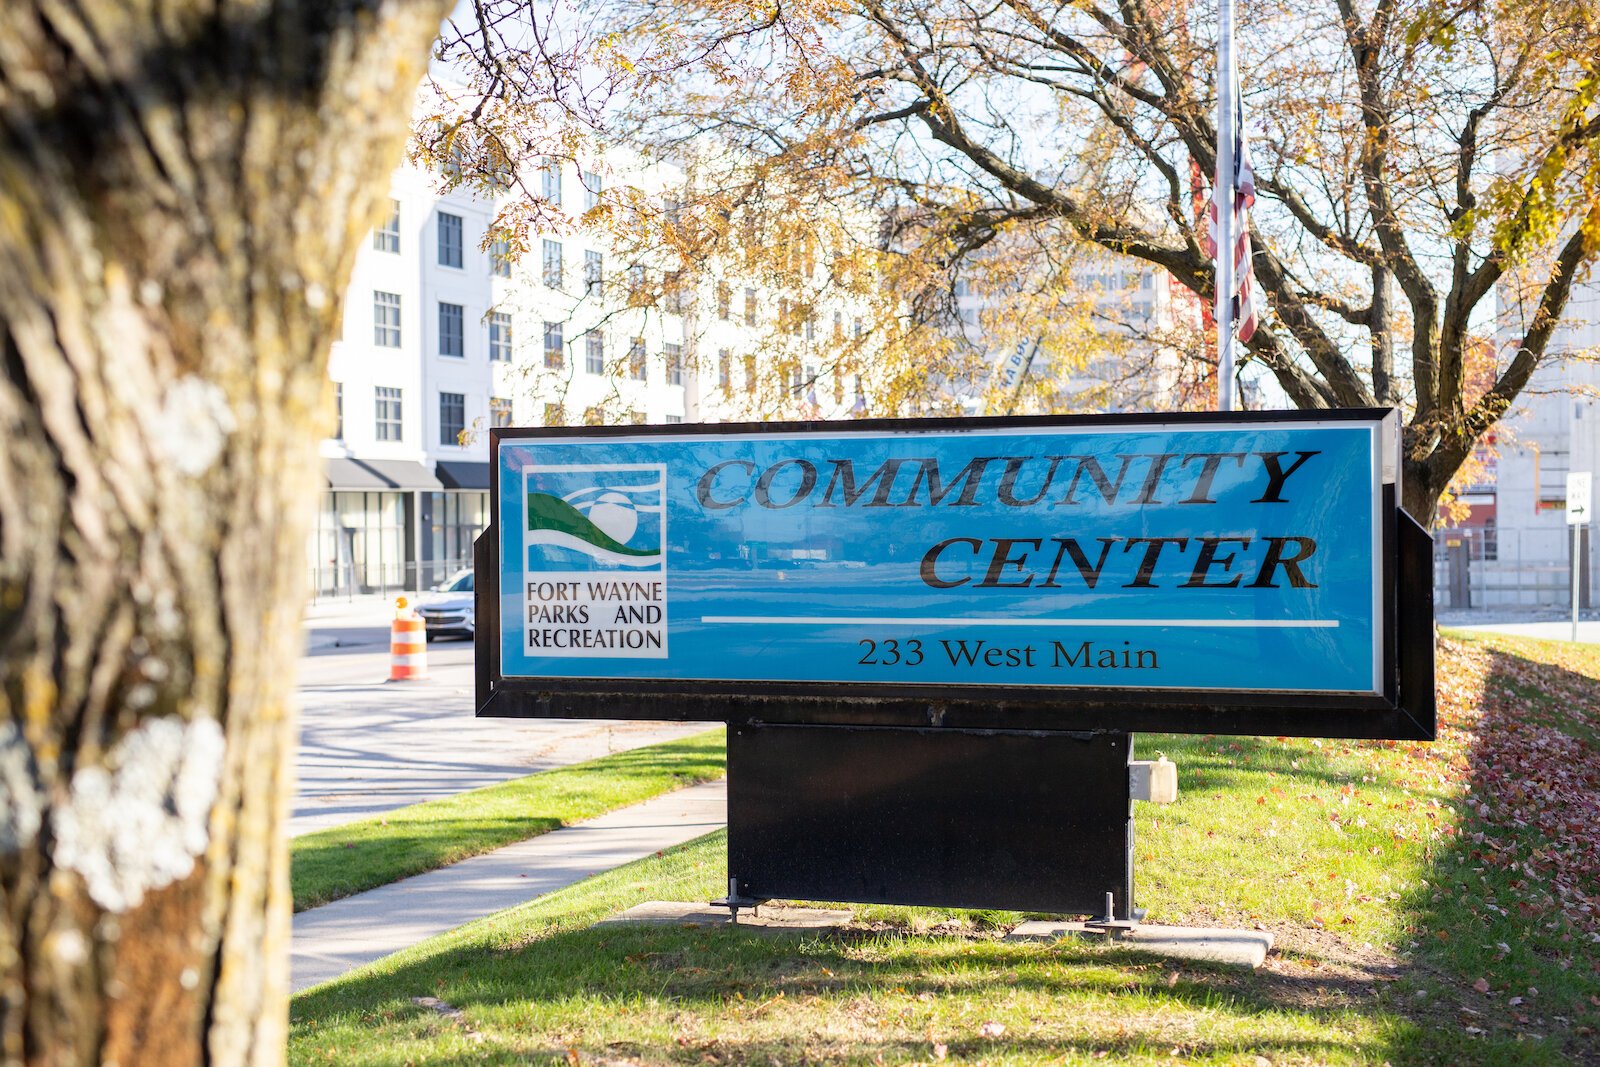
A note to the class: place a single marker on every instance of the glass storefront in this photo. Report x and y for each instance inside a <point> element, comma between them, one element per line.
<point>394,540</point>
<point>451,521</point>
<point>363,543</point>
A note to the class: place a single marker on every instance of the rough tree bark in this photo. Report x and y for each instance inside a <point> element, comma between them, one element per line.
<point>182,189</point>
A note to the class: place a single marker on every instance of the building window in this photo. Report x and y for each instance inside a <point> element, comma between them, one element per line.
<point>838,325</point>
<point>856,327</point>
<point>554,415</point>
<point>500,336</point>
<point>386,319</point>
<point>550,178</point>
<point>724,369</point>
<point>552,264</point>
<point>724,300</point>
<point>636,417</point>
<point>338,411</point>
<point>449,239</point>
<point>593,185</point>
<point>672,287</point>
<point>674,358</point>
<point>499,412</point>
<point>593,417</point>
<point>636,286</point>
<point>387,409</point>
<point>811,326</point>
<point>749,307</point>
<point>594,273</point>
<point>594,352</point>
<point>674,419</point>
<point>636,363</point>
<point>553,345</point>
<point>452,417</point>
<point>386,238</point>
<point>750,374</point>
<point>500,258</point>
<point>451,330</point>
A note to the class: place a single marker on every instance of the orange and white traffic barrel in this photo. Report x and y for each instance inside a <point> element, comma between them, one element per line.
<point>408,645</point>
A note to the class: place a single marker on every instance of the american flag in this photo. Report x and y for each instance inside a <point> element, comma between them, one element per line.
<point>1244,195</point>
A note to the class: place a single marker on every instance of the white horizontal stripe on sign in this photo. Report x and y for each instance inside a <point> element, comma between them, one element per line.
<point>828,620</point>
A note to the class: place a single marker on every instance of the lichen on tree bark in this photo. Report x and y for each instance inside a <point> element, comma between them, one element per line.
<point>182,190</point>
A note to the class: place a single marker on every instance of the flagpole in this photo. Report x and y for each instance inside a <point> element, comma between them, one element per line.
<point>1223,195</point>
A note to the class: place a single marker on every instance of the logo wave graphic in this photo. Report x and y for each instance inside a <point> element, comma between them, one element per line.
<point>553,521</point>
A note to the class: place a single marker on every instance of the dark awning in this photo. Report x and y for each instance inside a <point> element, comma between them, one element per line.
<point>459,474</point>
<point>381,474</point>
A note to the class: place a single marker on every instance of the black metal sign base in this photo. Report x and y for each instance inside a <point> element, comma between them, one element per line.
<point>943,818</point>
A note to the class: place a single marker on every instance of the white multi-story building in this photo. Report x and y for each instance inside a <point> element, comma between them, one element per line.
<point>443,339</point>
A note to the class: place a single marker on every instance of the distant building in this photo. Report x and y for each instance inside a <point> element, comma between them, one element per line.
<point>1514,548</point>
<point>1111,352</point>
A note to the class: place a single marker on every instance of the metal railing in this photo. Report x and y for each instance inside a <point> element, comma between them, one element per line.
<point>349,582</point>
<point>1476,569</point>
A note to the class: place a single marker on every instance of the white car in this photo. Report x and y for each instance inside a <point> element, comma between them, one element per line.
<point>449,608</point>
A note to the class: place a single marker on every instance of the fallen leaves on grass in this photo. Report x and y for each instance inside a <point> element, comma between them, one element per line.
<point>1526,773</point>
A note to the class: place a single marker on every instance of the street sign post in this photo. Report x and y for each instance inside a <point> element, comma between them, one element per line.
<point>917,599</point>
<point>1579,512</point>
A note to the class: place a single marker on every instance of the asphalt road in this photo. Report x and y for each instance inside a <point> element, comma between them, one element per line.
<point>368,746</point>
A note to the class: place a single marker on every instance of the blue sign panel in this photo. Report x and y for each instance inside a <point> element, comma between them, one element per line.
<point>1238,558</point>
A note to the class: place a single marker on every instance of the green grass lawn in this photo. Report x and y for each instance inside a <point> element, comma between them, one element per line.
<point>335,863</point>
<point>1432,904</point>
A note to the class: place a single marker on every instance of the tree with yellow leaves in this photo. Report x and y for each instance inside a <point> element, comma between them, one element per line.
<point>1412,158</point>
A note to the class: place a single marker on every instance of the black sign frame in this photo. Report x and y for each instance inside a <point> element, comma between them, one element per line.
<point>1404,711</point>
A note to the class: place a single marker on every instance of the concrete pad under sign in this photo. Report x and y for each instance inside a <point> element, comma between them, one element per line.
<point>766,917</point>
<point>1240,948</point>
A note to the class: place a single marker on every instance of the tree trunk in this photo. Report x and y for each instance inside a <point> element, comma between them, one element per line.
<point>1421,483</point>
<point>182,190</point>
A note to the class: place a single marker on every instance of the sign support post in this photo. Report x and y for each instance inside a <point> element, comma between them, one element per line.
<point>1579,489</point>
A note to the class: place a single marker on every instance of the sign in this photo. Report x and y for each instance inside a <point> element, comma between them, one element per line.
<point>1075,562</point>
<point>1580,509</point>
<point>1012,368</point>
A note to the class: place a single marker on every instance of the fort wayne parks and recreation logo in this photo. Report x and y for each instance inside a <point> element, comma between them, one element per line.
<point>595,549</point>
<point>595,518</point>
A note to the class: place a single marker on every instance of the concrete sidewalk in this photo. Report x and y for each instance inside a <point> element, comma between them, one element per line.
<point>1546,628</point>
<point>333,939</point>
